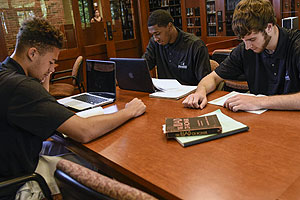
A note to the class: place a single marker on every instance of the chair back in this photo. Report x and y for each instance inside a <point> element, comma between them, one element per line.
<point>92,185</point>
<point>239,85</point>
<point>220,54</point>
<point>213,64</point>
<point>77,69</point>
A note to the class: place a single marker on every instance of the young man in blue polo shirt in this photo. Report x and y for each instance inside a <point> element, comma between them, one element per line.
<point>269,57</point>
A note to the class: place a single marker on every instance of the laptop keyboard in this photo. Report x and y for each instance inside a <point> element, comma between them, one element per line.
<point>89,99</point>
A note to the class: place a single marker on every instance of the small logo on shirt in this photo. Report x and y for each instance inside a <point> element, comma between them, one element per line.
<point>287,77</point>
<point>130,74</point>
<point>182,65</point>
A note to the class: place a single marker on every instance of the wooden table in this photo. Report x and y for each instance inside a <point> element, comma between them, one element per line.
<point>263,163</point>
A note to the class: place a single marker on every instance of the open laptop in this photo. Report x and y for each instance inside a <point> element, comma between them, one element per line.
<point>101,86</point>
<point>133,74</point>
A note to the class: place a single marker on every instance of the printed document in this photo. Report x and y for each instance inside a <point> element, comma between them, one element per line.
<point>220,101</point>
<point>171,88</point>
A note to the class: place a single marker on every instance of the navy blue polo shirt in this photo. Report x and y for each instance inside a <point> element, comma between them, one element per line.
<point>186,60</point>
<point>28,116</point>
<point>268,74</point>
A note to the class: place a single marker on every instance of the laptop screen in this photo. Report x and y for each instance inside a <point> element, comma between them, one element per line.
<point>101,78</point>
<point>133,74</point>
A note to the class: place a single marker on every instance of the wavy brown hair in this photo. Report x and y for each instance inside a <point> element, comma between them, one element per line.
<point>38,33</point>
<point>252,16</point>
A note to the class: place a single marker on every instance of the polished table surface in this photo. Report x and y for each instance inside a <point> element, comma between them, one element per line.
<point>262,163</point>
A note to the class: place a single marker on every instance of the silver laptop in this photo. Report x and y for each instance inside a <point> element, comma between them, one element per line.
<point>133,74</point>
<point>101,86</point>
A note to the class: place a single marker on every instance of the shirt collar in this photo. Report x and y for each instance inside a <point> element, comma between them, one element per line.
<point>282,44</point>
<point>12,64</point>
<point>178,39</point>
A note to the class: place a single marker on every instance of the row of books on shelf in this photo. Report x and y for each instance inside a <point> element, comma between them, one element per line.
<point>193,22</point>
<point>193,12</point>
<point>163,3</point>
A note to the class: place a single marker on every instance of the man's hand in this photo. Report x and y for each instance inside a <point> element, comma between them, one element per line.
<point>243,102</point>
<point>195,100</point>
<point>136,107</point>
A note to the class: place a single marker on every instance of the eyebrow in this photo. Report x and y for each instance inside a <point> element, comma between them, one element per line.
<point>250,38</point>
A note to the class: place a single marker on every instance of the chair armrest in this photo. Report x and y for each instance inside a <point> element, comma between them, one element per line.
<point>63,78</point>
<point>60,72</point>
<point>101,183</point>
<point>8,186</point>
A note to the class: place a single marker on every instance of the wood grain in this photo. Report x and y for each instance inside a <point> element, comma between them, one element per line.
<point>259,164</point>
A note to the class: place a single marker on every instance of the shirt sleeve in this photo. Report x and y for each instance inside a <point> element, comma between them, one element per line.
<point>232,67</point>
<point>201,60</point>
<point>33,109</point>
<point>150,55</point>
<point>297,56</point>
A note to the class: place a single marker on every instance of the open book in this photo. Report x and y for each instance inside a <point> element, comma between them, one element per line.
<point>170,88</point>
<point>229,127</point>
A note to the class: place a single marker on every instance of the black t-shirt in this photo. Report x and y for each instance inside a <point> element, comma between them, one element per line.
<point>185,60</point>
<point>28,116</point>
<point>268,74</point>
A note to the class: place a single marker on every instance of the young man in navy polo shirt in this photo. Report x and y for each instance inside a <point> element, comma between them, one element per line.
<point>29,114</point>
<point>269,57</point>
<point>177,54</point>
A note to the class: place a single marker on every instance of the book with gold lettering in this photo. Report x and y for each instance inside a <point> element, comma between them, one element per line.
<point>229,127</point>
<point>179,127</point>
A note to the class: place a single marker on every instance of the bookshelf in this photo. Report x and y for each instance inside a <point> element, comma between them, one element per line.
<point>173,6</point>
<point>127,19</point>
<point>229,8</point>
<point>211,18</point>
<point>193,17</point>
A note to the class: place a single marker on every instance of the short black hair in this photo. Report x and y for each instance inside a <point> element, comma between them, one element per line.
<point>38,33</point>
<point>160,18</point>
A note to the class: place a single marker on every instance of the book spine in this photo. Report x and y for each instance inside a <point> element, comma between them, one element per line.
<point>193,133</point>
<point>213,137</point>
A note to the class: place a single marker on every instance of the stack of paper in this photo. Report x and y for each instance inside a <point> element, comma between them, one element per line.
<point>171,88</point>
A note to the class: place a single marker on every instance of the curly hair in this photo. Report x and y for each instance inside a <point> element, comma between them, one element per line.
<point>252,16</point>
<point>160,18</point>
<point>38,33</point>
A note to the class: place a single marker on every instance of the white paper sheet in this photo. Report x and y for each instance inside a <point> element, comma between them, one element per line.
<point>221,100</point>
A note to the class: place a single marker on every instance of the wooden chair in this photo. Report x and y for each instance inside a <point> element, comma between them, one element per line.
<point>78,182</point>
<point>213,64</point>
<point>220,54</point>
<point>9,187</point>
<point>239,85</point>
<point>58,89</point>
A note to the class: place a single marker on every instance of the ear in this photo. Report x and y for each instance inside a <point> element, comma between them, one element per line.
<point>269,28</point>
<point>32,53</point>
<point>170,25</point>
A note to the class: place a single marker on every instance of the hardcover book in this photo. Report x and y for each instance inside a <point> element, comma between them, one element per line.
<point>179,127</point>
<point>229,127</point>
